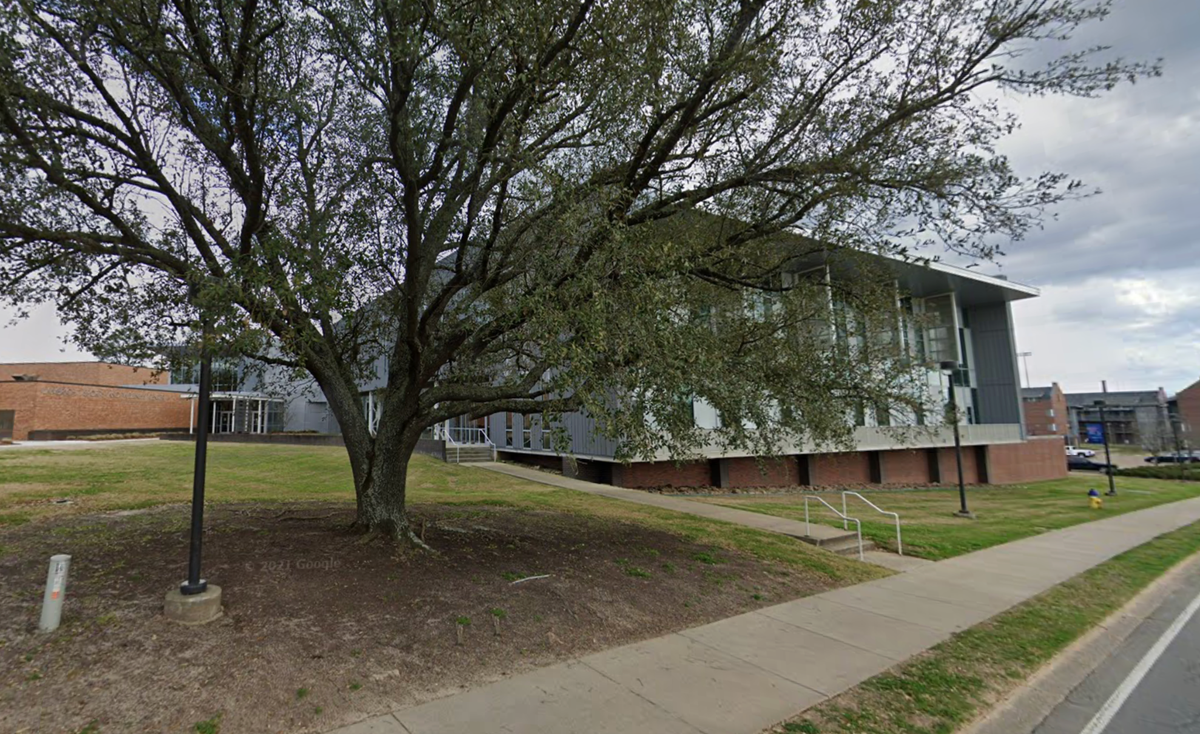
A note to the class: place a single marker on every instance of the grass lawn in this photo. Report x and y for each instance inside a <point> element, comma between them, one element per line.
<point>1002,513</point>
<point>140,475</point>
<point>322,625</point>
<point>947,686</point>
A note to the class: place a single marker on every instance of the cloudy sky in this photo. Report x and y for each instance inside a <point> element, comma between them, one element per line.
<point>1119,273</point>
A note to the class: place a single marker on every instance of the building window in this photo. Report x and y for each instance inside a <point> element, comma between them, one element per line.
<point>883,416</point>
<point>941,337</point>
<point>508,429</point>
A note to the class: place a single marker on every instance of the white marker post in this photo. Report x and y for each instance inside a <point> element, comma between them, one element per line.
<point>56,591</point>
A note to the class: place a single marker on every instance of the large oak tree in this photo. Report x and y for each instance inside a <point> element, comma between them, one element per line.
<point>519,205</point>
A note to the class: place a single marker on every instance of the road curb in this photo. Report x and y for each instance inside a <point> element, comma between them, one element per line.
<point>1026,707</point>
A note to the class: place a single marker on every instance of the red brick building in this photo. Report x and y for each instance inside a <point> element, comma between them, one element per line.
<point>1046,411</point>
<point>55,400</point>
<point>1185,409</point>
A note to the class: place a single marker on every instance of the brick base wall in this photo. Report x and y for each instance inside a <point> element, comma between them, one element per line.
<point>905,467</point>
<point>747,472</point>
<point>949,469</point>
<point>1035,460</point>
<point>840,469</point>
<point>644,475</point>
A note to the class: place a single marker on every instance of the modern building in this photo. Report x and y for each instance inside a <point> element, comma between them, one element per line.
<point>1046,412</point>
<point>969,321</point>
<point>1133,418</point>
<point>55,400</point>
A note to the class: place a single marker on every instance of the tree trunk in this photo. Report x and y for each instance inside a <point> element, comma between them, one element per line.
<point>382,498</point>
<point>379,463</point>
<point>381,502</point>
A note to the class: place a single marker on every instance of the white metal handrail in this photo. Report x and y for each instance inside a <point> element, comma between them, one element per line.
<point>895,516</point>
<point>808,529</point>
<point>470,435</point>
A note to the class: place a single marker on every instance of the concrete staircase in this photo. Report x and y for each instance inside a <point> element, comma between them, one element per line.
<point>468,453</point>
<point>843,544</point>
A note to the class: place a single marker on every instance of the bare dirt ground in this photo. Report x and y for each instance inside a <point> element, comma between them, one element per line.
<point>321,629</point>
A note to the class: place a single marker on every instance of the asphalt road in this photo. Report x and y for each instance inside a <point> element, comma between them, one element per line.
<point>1136,692</point>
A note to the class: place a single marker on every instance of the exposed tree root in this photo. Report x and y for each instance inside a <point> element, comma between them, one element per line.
<point>412,538</point>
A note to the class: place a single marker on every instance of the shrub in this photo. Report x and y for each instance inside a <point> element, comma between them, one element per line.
<point>1188,472</point>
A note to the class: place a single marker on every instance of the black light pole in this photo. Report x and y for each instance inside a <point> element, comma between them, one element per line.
<point>195,584</point>
<point>1174,419</point>
<point>950,368</point>
<point>1112,486</point>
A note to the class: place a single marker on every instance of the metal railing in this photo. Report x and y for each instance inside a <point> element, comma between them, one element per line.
<point>808,529</point>
<point>472,436</point>
<point>872,505</point>
<point>460,437</point>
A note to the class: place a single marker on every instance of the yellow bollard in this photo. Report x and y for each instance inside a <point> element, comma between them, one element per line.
<point>1097,503</point>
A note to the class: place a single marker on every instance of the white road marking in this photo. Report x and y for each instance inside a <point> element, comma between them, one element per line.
<point>1117,699</point>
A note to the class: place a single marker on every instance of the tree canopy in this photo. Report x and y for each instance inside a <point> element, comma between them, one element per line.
<point>518,205</point>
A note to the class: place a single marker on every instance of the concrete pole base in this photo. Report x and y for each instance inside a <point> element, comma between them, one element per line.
<point>965,515</point>
<point>195,608</point>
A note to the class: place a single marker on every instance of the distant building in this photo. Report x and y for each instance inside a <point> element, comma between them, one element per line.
<point>1046,412</point>
<point>55,400</point>
<point>1133,418</point>
<point>1184,409</point>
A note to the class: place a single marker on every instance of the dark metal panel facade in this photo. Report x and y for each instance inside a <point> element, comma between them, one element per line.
<point>995,361</point>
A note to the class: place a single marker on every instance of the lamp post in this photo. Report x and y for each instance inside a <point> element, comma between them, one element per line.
<point>195,584</point>
<point>1025,358</point>
<point>1112,486</point>
<point>1174,419</point>
<point>949,368</point>
<point>195,601</point>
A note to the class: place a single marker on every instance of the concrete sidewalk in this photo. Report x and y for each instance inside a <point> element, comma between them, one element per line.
<point>756,520</point>
<point>743,674</point>
<point>667,502</point>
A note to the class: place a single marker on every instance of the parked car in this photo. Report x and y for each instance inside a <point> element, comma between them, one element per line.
<point>1074,451</point>
<point>1186,457</point>
<point>1082,463</point>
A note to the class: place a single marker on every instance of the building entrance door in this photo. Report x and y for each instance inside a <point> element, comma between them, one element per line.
<point>223,416</point>
<point>7,420</point>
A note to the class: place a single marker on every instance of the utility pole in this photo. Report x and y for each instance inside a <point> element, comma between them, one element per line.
<point>1025,358</point>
